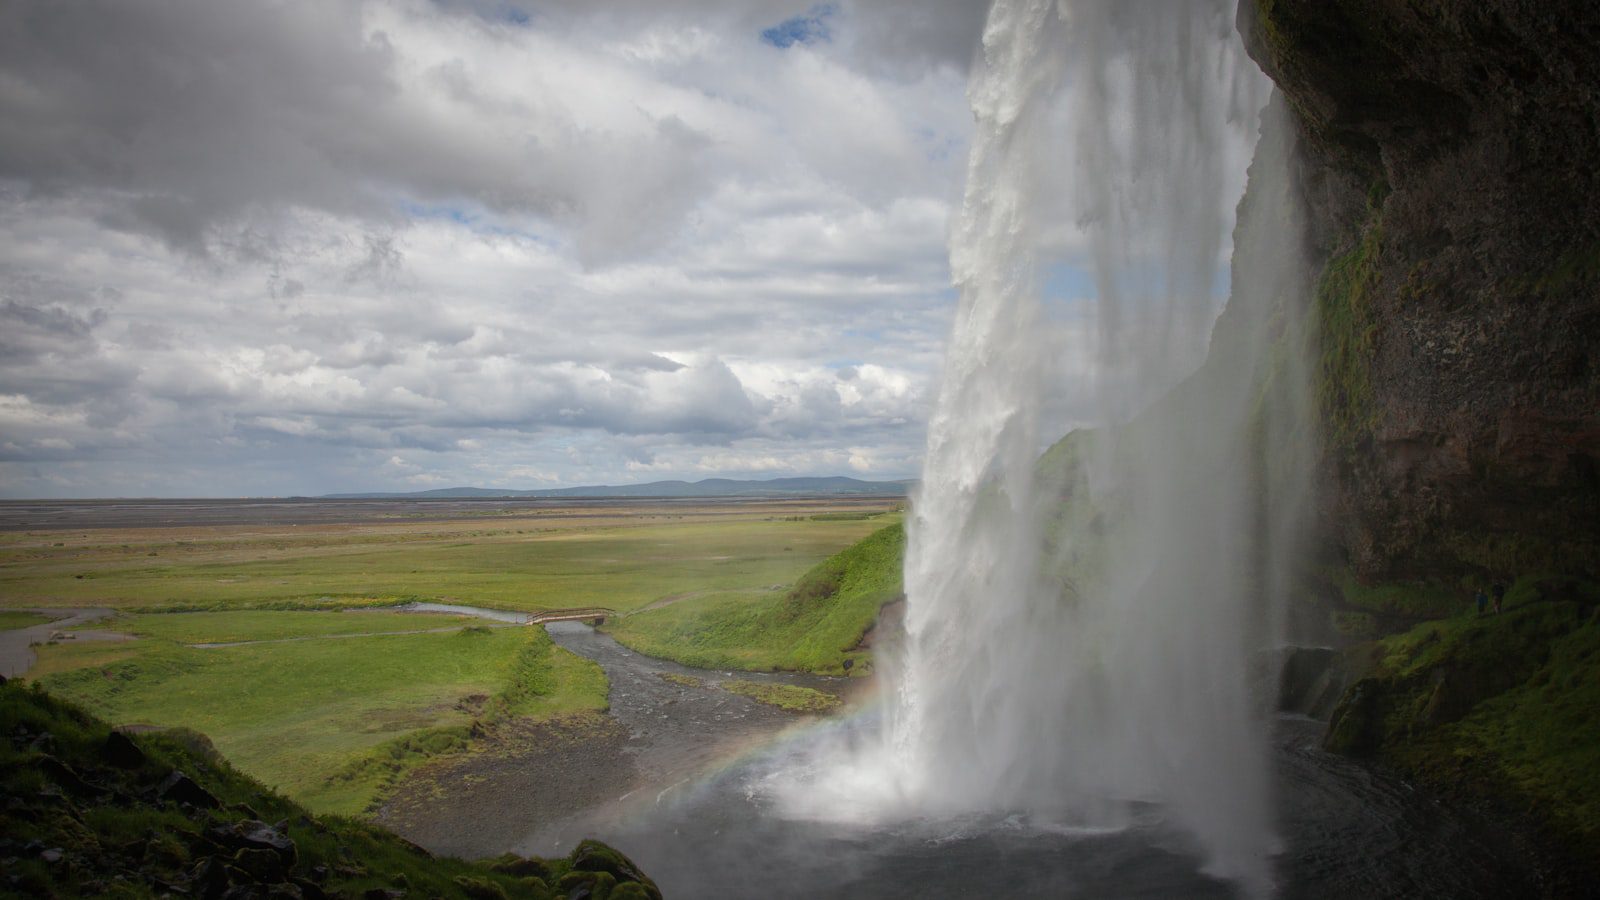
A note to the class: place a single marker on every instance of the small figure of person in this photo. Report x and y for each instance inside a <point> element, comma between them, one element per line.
<point>1499,591</point>
<point>1483,601</point>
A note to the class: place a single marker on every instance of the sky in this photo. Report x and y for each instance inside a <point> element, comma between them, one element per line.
<point>261,249</point>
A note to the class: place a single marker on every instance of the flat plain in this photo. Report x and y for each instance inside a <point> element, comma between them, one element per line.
<point>621,555</point>
<point>318,696</point>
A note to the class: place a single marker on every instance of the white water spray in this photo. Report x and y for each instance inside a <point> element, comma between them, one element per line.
<point>1086,634</point>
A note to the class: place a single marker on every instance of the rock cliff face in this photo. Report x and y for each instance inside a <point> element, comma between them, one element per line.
<point>1452,176</point>
<point>1450,171</point>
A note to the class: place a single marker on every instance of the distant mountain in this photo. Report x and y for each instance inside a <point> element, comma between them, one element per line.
<point>710,487</point>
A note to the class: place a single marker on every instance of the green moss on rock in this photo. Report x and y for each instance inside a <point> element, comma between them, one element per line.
<point>1345,336</point>
<point>1501,706</point>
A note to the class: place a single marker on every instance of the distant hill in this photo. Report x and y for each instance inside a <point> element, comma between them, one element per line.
<point>710,487</point>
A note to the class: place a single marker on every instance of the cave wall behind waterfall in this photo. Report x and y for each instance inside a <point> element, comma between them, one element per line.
<point>1451,173</point>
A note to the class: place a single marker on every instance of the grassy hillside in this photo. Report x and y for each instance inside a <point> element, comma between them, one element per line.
<point>814,626</point>
<point>325,710</point>
<point>88,812</point>
<point>1502,705</point>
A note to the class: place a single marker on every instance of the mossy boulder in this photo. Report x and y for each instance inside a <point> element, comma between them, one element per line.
<point>593,856</point>
<point>1357,726</point>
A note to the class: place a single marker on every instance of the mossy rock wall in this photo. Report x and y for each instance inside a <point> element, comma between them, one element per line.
<point>1448,171</point>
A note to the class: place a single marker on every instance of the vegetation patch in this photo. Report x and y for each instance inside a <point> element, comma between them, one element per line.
<point>546,681</point>
<point>815,626</point>
<point>322,603</point>
<point>91,812</point>
<point>1345,332</point>
<point>1501,705</point>
<point>791,697</point>
<point>332,723</point>
<point>239,626</point>
<point>681,680</point>
<point>13,619</point>
<point>555,559</point>
<point>1419,600</point>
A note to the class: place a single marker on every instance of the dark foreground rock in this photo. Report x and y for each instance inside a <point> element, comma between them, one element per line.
<point>85,811</point>
<point>1311,680</point>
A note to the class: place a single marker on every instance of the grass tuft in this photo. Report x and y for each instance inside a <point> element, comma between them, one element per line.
<point>784,696</point>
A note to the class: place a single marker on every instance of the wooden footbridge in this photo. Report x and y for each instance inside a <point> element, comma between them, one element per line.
<point>598,613</point>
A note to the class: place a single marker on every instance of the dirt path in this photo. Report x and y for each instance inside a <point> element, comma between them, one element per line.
<point>16,650</point>
<point>540,787</point>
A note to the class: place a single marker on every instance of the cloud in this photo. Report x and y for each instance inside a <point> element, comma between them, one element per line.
<point>182,116</point>
<point>253,248</point>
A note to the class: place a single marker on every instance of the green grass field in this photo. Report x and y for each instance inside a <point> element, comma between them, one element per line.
<point>621,560</point>
<point>296,714</point>
<point>812,626</point>
<point>784,696</point>
<point>266,625</point>
<point>331,713</point>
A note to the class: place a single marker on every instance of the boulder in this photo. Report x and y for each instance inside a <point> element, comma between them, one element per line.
<point>520,867</point>
<point>208,879</point>
<point>593,856</point>
<point>254,835</point>
<point>1356,728</point>
<point>263,865</point>
<point>582,885</point>
<point>180,788</point>
<point>120,751</point>
<point>1311,681</point>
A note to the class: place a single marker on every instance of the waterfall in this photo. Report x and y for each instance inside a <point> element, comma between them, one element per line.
<point>1087,633</point>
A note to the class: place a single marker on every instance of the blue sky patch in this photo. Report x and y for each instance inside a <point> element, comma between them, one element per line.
<point>808,28</point>
<point>505,11</point>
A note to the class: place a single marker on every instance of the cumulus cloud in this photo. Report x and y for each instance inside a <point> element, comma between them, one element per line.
<point>310,246</point>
